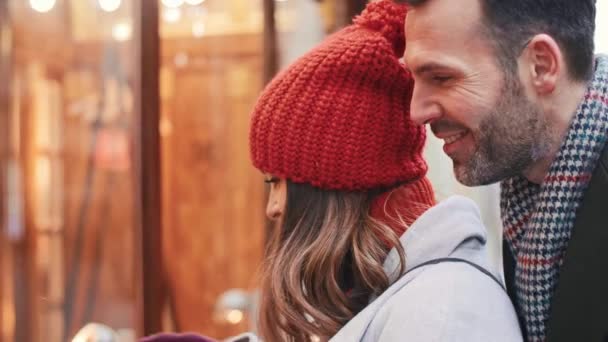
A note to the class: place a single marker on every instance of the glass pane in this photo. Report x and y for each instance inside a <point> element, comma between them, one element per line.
<point>213,229</point>
<point>68,233</point>
<point>213,205</point>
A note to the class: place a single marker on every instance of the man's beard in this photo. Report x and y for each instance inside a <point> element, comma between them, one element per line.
<point>512,137</point>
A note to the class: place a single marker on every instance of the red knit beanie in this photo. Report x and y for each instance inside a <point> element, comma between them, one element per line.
<point>338,118</point>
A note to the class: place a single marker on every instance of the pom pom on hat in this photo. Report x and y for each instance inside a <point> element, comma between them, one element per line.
<point>387,18</point>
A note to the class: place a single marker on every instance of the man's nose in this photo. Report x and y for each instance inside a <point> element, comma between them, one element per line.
<point>422,109</point>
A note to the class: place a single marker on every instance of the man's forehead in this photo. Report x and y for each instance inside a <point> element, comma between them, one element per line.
<point>442,25</point>
<point>444,17</point>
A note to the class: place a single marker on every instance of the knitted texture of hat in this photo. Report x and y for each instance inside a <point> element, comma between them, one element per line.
<point>338,118</point>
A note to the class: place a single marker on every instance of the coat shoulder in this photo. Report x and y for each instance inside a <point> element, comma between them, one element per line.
<point>447,302</point>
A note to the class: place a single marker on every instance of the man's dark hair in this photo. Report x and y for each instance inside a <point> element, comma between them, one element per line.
<point>510,24</point>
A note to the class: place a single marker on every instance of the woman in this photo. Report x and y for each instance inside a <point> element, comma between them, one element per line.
<point>360,251</point>
<point>348,191</point>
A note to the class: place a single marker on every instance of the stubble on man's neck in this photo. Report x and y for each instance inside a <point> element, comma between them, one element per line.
<point>559,119</point>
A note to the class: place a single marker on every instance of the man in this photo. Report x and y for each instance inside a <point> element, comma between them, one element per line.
<point>514,90</point>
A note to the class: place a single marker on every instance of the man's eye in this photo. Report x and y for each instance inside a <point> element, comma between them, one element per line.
<point>441,79</point>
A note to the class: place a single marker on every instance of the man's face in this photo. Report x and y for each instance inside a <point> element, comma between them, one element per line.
<point>491,129</point>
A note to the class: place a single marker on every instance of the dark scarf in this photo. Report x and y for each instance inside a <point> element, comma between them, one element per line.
<point>538,219</point>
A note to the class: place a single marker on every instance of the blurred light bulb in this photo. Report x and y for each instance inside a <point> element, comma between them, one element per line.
<point>194,2</point>
<point>198,29</point>
<point>42,6</point>
<point>234,316</point>
<point>95,332</point>
<point>109,5</point>
<point>172,15</point>
<point>181,59</point>
<point>173,3</point>
<point>122,31</point>
<point>198,12</point>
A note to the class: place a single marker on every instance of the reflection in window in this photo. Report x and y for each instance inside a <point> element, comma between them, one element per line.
<point>69,193</point>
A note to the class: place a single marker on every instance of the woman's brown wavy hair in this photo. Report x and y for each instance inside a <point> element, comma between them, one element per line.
<point>323,262</point>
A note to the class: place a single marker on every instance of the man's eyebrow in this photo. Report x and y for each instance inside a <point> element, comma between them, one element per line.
<point>428,67</point>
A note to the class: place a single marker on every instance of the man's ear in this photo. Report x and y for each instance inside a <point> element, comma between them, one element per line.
<point>542,62</point>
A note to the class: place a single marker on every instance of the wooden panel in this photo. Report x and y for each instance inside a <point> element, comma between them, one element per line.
<point>25,284</point>
<point>92,183</point>
<point>213,47</point>
<point>339,13</point>
<point>150,280</point>
<point>88,253</point>
<point>5,78</point>
<point>48,41</point>
<point>214,226</point>
<point>99,236</point>
<point>271,57</point>
<point>354,8</point>
<point>27,280</point>
<point>99,200</point>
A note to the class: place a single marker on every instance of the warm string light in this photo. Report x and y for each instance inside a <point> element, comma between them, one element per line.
<point>172,15</point>
<point>177,3</point>
<point>234,316</point>
<point>109,5</point>
<point>122,31</point>
<point>173,3</point>
<point>42,6</point>
<point>198,29</point>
